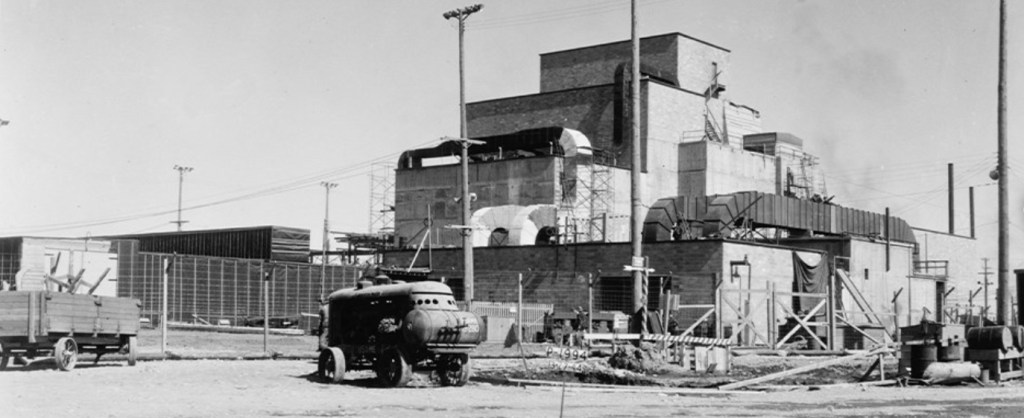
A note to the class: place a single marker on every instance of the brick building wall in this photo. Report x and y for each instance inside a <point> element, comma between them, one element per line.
<point>677,57</point>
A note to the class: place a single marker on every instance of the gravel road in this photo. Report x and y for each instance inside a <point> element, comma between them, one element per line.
<point>286,388</point>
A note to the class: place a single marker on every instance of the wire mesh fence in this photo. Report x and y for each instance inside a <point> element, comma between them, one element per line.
<point>228,291</point>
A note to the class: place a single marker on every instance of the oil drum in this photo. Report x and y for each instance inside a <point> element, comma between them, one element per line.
<point>990,338</point>
<point>921,356</point>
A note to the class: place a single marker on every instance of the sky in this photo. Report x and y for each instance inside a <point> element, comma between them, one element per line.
<point>266,99</point>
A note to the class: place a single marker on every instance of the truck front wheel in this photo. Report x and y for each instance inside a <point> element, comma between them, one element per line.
<point>454,369</point>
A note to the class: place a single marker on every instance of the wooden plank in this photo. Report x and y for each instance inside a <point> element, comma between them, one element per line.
<point>13,304</point>
<point>801,369</point>
<point>18,327</point>
<point>14,315</point>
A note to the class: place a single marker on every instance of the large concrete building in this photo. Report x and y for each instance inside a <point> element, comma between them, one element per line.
<point>561,157</point>
<point>732,211</point>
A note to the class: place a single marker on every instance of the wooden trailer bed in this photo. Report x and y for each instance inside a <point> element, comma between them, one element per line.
<point>63,324</point>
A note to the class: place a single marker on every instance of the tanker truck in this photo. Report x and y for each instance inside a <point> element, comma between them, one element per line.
<point>390,327</point>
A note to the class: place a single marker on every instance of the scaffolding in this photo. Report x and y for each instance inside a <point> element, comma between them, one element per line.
<point>382,198</point>
<point>586,203</point>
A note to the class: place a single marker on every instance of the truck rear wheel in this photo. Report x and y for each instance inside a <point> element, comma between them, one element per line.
<point>66,353</point>
<point>331,366</point>
<point>454,369</point>
<point>4,357</point>
<point>133,350</point>
<point>393,369</point>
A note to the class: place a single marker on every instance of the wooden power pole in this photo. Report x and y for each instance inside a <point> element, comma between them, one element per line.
<point>1003,305</point>
<point>467,232</point>
<point>636,223</point>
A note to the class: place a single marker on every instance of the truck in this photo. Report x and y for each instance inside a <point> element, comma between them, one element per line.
<point>389,327</point>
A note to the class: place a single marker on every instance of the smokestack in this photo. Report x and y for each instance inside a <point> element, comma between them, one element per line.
<point>952,227</point>
<point>970,198</point>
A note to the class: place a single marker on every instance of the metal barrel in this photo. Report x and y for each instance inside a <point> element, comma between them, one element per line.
<point>950,353</point>
<point>1018,337</point>
<point>921,356</point>
<point>990,338</point>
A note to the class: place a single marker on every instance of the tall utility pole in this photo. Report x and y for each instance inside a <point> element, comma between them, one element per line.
<point>467,232</point>
<point>636,222</point>
<point>1003,306</point>
<point>327,227</point>
<point>985,273</point>
<point>181,181</point>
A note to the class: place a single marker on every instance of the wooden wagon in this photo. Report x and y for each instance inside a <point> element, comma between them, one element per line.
<point>41,323</point>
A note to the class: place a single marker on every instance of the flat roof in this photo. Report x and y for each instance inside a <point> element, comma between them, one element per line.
<point>677,34</point>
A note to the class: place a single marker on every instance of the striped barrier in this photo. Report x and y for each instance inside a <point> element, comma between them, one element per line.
<point>689,340</point>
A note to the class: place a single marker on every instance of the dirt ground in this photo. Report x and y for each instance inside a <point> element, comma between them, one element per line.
<point>287,387</point>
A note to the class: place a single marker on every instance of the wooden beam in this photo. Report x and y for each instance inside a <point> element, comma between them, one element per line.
<point>802,369</point>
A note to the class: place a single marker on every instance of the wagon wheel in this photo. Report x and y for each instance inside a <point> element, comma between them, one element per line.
<point>4,357</point>
<point>393,369</point>
<point>133,348</point>
<point>331,366</point>
<point>66,353</point>
<point>454,369</point>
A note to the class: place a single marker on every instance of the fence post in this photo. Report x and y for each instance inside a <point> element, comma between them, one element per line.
<point>266,307</point>
<point>772,326</point>
<point>666,301</point>
<point>830,308</point>
<point>719,327</point>
<point>195,289</point>
<point>519,312</point>
<point>163,309</point>
<point>590,302</point>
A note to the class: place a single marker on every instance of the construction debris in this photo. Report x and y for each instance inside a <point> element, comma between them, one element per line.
<point>802,369</point>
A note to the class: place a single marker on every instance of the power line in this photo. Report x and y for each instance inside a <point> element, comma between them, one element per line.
<point>290,185</point>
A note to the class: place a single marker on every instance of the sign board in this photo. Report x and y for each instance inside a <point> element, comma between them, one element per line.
<point>567,353</point>
<point>637,262</point>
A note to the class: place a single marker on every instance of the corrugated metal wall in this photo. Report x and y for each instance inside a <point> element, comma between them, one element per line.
<point>765,209</point>
<point>259,243</point>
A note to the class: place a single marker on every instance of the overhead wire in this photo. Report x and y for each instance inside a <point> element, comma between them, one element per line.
<point>974,170</point>
<point>287,186</point>
<point>551,15</point>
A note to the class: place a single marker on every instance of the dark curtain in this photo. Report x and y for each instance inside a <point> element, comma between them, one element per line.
<point>812,279</point>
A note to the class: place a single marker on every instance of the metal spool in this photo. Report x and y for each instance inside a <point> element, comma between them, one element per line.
<point>921,356</point>
<point>990,338</point>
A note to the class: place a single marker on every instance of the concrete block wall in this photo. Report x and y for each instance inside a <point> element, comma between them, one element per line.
<point>557,274</point>
<point>588,110</point>
<point>964,265</point>
<point>524,182</point>
<point>707,168</point>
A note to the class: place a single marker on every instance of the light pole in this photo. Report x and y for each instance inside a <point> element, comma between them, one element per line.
<point>327,212</point>
<point>467,233</point>
<point>181,180</point>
